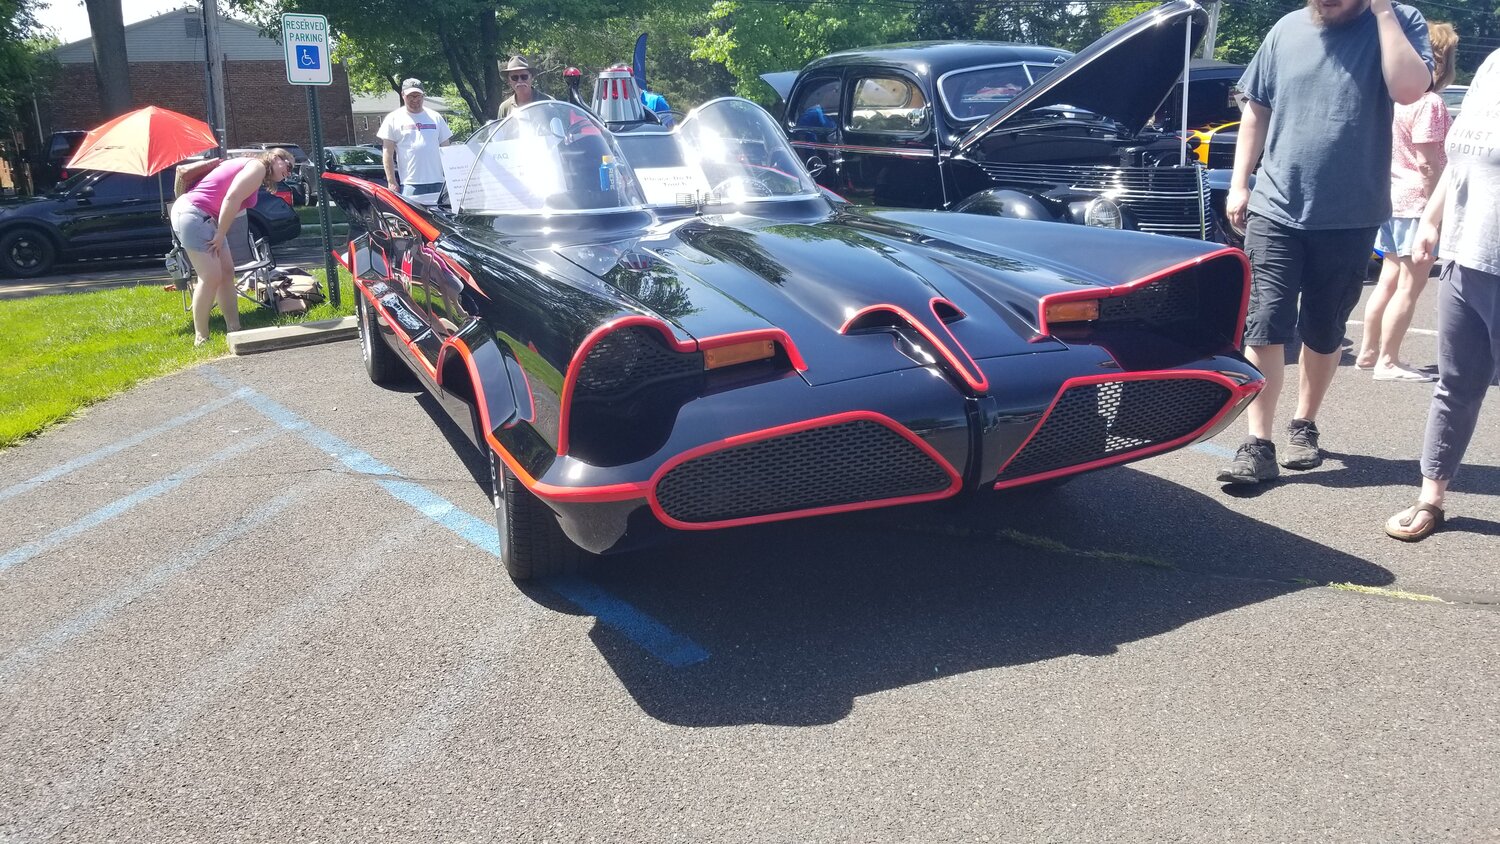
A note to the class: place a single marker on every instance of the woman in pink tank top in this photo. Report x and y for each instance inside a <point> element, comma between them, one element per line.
<point>201,219</point>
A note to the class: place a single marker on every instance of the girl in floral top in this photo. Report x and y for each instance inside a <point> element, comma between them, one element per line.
<point>1417,160</point>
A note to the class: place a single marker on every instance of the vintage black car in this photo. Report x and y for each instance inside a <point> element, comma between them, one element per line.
<point>678,330</point>
<point>362,162</point>
<point>1008,129</point>
<point>97,215</point>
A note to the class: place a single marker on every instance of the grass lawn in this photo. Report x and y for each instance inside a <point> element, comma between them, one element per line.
<point>64,352</point>
<point>309,215</point>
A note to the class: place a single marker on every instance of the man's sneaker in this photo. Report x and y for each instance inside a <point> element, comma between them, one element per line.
<point>1302,445</point>
<point>1253,463</point>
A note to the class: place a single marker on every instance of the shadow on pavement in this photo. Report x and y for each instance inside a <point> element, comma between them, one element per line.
<point>801,618</point>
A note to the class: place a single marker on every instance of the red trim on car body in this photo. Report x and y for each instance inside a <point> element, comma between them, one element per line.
<point>955,480</point>
<point>1131,286</point>
<point>394,199</point>
<point>571,379</point>
<point>980,384</point>
<point>1238,392</point>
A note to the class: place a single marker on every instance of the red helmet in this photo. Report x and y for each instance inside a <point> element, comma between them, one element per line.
<point>572,71</point>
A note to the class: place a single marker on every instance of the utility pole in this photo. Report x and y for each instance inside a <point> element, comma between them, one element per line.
<point>214,58</point>
<point>1213,28</point>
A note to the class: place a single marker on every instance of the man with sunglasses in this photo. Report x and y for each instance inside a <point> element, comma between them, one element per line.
<point>522,83</point>
<point>411,136</point>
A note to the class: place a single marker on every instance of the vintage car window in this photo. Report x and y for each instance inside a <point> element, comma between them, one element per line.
<point>887,104</point>
<point>548,157</point>
<point>976,93</point>
<point>741,154</point>
<point>816,107</point>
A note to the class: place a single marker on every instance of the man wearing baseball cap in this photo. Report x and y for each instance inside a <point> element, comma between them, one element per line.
<point>522,83</point>
<point>411,136</point>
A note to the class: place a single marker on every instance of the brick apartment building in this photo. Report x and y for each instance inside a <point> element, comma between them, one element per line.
<point>168,69</point>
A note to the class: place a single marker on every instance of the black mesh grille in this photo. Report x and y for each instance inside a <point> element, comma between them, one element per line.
<point>1114,418</point>
<point>845,463</point>
<point>626,359</point>
<point>1158,303</point>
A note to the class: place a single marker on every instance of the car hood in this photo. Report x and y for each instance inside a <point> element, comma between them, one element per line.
<point>781,81</point>
<point>810,279</point>
<point>1124,76</point>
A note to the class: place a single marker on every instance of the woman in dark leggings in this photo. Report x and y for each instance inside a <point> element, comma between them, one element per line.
<point>1465,210</point>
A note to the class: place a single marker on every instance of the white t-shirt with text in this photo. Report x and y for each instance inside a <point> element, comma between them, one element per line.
<point>418,138</point>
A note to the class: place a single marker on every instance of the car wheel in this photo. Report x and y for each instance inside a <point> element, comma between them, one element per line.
<point>382,363</point>
<point>532,544</point>
<point>26,253</point>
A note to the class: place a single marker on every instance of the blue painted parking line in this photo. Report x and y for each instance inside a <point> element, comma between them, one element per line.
<point>16,556</point>
<point>1214,449</point>
<point>649,634</point>
<point>116,447</point>
<point>640,628</point>
<point>130,592</point>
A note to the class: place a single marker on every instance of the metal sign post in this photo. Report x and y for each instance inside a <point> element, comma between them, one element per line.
<point>309,62</point>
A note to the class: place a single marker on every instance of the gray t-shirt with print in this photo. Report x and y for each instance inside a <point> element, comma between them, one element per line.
<point>1471,219</point>
<point>1327,160</point>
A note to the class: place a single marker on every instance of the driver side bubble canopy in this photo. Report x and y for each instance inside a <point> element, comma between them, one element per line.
<point>741,154</point>
<point>547,157</point>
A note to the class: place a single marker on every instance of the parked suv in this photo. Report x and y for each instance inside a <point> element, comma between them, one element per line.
<point>50,166</point>
<point>109,215</point>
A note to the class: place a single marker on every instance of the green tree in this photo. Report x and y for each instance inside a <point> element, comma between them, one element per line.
<point>749,38</point>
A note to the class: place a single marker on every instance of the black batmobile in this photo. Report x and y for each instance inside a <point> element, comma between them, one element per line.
<point>658,330</point>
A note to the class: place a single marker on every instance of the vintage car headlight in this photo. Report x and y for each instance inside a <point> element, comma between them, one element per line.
<point>1103,213</point>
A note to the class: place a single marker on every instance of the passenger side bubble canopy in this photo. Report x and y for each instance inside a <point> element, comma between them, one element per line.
<point>742,154</point>
<point>548,157</point>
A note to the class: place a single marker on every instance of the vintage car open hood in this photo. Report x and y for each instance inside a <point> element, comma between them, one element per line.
<point>1125,75</point>
<point>811,278</point>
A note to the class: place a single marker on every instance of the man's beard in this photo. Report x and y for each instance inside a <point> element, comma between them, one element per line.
<point>1342,17</point>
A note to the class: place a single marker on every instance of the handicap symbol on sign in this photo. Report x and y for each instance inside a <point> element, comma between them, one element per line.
<point>307,57</point>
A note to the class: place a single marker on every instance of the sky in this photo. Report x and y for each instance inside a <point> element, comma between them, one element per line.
<point>70,20</point>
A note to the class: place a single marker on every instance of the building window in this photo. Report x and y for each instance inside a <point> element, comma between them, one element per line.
<point>366,123</point>
<point>192,26</point>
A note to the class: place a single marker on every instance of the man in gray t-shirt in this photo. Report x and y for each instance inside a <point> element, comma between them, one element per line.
<point>1320,91</point>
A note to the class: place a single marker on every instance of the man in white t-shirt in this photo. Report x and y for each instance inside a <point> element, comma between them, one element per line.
<point>413,134</point>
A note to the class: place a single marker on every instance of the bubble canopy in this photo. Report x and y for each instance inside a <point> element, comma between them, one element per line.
<point>553,157</point>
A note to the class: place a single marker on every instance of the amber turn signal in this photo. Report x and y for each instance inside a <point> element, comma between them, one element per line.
<point>723,356</point>
<point>1081,310</point>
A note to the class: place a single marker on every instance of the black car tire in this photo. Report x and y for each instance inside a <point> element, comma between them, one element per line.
<point>532,544</point>
<point>382,363</point>
<point>26,253</point>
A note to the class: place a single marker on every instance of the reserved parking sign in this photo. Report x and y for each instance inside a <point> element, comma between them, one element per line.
<point>305,40</point>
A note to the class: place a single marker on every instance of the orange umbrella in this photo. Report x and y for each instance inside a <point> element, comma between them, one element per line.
<point>144,142</point>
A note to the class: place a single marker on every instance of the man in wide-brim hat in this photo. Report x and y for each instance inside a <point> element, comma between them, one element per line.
<point>522,84</point>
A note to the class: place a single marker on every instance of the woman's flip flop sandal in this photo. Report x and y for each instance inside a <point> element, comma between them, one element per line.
<point>1399,526</point>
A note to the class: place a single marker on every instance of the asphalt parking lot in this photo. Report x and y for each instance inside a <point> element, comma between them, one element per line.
<point>259,600</point>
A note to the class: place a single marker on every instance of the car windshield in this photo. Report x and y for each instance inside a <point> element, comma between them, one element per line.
<point>979,92</point>
<point>548,157</point>
<point>354,156</point>
<point>1454,97</point>
<point>733,152</point>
